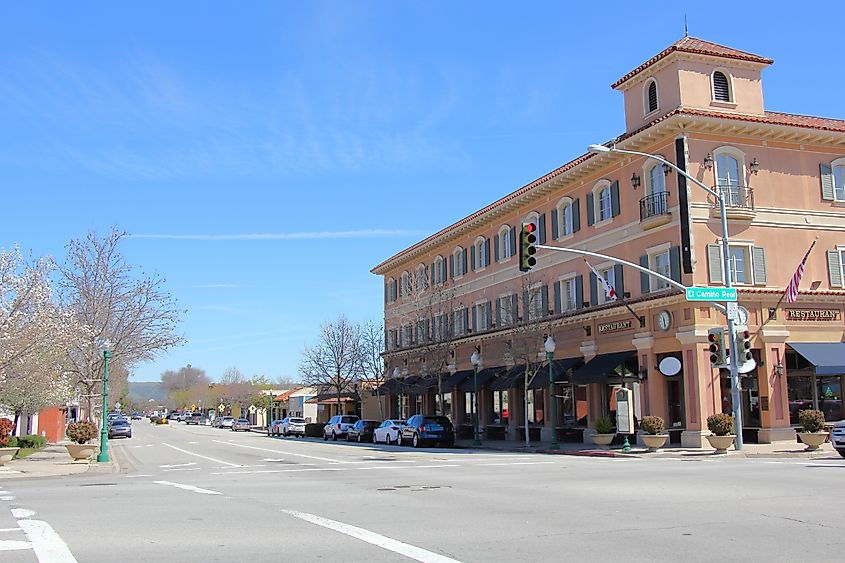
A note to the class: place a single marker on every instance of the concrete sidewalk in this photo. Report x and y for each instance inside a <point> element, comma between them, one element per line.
<point>54,461</point>
<point>776,450</point>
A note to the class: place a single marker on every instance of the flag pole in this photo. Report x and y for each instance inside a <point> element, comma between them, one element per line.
<point>619,298</point>
<point>783,295</point>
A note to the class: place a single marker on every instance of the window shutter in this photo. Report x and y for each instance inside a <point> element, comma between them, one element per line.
<point>579,292</point>
<point>645,279</point>
<point>558,307</point>
<point>427,329</point>
<point>425,277</point>
<point>758,259</point>
<point>443,270</point>
<point>827,181</point>
<point>544,298</point>
<point>451,265</point>
<point>526,305</point>
<point>475,318</point>
<point>594,289</point>
<point>386,296</point>
<point>499,311</point>
<point>488,309</point>
<point>466,318</point>
<point>554,224</point>
<point>433,267</point>
<point>652,97</point>
<point>472,258</point>
<point>576,216</point>
<point>486,252</point>
<point>591,214</point>
<point>513,241</point>
<point>614,199</point>
<point>542,228</point>
<point>834,268</point>
<point>464,269</point>
<point>515,308</point>
<point>675,263</point>
<point>619,281</point>
<point>714,263</point>
<point>721,91</point>
<point>496,247</point>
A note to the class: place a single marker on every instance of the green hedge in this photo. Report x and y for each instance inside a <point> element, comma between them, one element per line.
<point>32,441</point>
<point>13,442</point>
<point>314,429</point>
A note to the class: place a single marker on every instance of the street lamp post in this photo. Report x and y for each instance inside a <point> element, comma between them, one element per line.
<point>735,398</point>
<point>550,353</point>
<point>476,361</point>
<point>103,456</point>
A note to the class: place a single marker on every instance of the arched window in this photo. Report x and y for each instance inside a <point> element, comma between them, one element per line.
<point>421,278</point>
<point>505,243</point>
<point>650,96</point>
<point>459,261</point>
<point>837,169</point>
<point>656,189</point>
<point>565,217</point>
<point>480,252</point>
<point>532,217</point>
<point>391,290</point>
<point>439,270</point>
<point>604,207</point>
<point>730,172</point>
<point>404,284</point>
<point>722,87</point>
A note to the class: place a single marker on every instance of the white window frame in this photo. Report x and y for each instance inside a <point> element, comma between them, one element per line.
<point>480,249</point>
<point>748,259</point>
<point>404,284</point>
<point>505,243</point>
<point>460,263</point>
<point>600,186</point>
<point>647,111</point>
<point>438,271</point>
<point>564,281</point>
<point>731,98</point>
<point>441,327</point>
<point>458,318</point>
<point>420,279</point>
<point>535,309</point>
<point>608,273</point>
<point>838,163</point>
<point>505,301</point>
<point>565,230</point>
<point>481,314</point>
<point>657,284</point>
<point>391,290</point>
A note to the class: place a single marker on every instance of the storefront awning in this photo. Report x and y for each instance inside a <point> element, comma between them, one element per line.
<point>484,376</point>
<point>388,388</point>
<point>509,380</point>
<point>600,368</point>
<point>828,357</point>
<point>455,379</point>
<point>559,369</point>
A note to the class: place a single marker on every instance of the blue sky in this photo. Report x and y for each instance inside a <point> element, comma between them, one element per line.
<point>367,124</point>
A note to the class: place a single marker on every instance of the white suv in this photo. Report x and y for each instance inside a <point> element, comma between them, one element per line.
<point>338,426</point>
<point>837,437</point>
<point>292,426</point>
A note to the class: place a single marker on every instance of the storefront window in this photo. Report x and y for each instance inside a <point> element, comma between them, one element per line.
<point>674,402</point>
<point>469,407</point>
<point>446,409</point>
<point>830,397</point>
<point>500,407</point>
<point>800,393</point>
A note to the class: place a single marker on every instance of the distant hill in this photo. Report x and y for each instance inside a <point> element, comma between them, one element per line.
<point>142,391</point>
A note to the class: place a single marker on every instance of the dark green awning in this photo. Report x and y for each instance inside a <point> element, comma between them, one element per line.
<point>600,368</point>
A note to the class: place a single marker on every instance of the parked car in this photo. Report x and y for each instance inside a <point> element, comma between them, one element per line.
<point>431,429</point>
<point>120,427</point>
<point>292,426</point>
<point>226,422</point>
<point>173,416</point>
<point>338,426</point>
<point>136,416</point>
<point>388,431</point>
<point>362,431</point>
<point>276,427</point>
<point>194,418</point>
<point>240,424</point>
<point>837,437</point>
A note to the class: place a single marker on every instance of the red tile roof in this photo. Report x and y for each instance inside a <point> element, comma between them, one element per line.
<point>699,47</point>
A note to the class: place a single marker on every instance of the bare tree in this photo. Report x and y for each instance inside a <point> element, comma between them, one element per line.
<point>372,346</point>
<point>183,385</point>
<point>335,361</point>
<point>117,303</point>
<point>232,376</point>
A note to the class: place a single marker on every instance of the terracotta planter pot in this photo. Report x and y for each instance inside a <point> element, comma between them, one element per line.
<point>813,439</point>
<point>7,454</point>
<point>721,443</point>
<point>602,439</point>
<point>654,441</point>
<point>82,451</point>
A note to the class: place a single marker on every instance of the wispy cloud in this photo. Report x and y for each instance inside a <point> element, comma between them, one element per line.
<point>361,233</point>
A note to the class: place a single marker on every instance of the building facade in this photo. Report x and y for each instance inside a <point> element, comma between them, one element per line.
<point>699,105</point>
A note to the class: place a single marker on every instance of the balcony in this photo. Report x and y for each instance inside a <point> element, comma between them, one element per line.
<point>654,210</point>
<point>739,202</point>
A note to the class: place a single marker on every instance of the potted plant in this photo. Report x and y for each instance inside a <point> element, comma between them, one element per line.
<point>80,433</point>
<point>6,451</point>
<point>722,427</point>
<point>812,424</point>
<point>604,431</point>
<point>653,432</point>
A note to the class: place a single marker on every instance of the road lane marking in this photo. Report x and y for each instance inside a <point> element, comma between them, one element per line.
<point>22,512</point>
<point>136,476</point>
<point>514,463</point>
<point>12,545</point>
<point>282,470</point>
<point>178,465</point>
<point>9,529</point>
<point>281,452</point>
<point>182,469</point>
<point>384,542</point>
<point>48,546</point>
<point>7,497</point>
<point>189,488</point>
<point>203,456</point>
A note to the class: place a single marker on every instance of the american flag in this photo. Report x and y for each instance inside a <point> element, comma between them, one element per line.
<point>792,288</point>
<point>608,289</point>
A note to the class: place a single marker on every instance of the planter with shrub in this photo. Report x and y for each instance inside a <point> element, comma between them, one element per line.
<point>7,452</point>
<point>654,434</point>
<point>314,429</point>
<point>604,431</point>
<point>722,427</point>
<point>812,426</point>
<point>81,433</point>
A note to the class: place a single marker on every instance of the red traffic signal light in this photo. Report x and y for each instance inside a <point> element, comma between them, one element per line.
<point>527,238</point>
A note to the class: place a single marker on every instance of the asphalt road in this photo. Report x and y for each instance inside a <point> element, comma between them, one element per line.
<point>189,493</point>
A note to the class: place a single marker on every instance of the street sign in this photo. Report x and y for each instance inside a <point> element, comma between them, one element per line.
<point>193,407</point>
<point>733,311</point>
<point>222,407</point>
<point>711,294</point>
<point>252,409</point>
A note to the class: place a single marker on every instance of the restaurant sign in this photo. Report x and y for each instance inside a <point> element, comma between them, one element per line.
<point>812,314</point>
<point>615,326</point>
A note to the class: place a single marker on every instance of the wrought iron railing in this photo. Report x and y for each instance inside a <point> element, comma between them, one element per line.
<point>654,205</point>
<point>736,197</point>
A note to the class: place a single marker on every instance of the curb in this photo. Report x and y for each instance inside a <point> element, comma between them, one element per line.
<point>589,453</point>
<point>103,468</point>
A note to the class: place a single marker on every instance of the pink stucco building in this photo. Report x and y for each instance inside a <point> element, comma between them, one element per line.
<point>699,105</point>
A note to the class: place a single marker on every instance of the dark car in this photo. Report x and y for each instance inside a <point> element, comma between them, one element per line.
<point>194,418</point>
<point>136,416</point>
<point>362,431</point>
<point>120,427</point>
<point>432,429</point>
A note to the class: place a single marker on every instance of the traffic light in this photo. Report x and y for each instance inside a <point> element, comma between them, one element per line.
<point>716,338</point>
<point>527,238</point>
<point>742,341</point>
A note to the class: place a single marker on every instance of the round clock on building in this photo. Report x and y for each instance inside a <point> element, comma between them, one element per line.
<point>664,320</point>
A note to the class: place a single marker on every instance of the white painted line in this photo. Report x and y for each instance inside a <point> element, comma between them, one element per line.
<point>7,497</point>
<point>246,466</point>
<point>513,463</point>
<point>135,476</point>
<point>384,542</point>
<point>48,546</point>
<point>22,512</point>
<point>283,470</point>
<point>281,452</point>
<point>193,442</point>
<point>202,456</point>
<point>12,545</point>
<point>189,488</point>
<point>9,529</point>
<point>179,464</point>
<point>183,469</point>
<point>404,467</point>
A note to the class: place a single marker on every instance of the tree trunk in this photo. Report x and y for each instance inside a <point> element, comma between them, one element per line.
<point>17,418</point>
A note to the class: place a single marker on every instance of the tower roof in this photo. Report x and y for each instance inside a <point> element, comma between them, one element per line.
<point>699,47</point>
